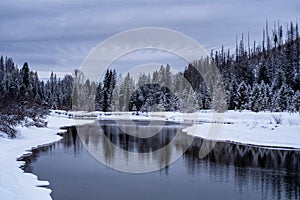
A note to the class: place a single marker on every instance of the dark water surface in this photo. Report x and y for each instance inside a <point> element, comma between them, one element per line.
<point>229,171</point>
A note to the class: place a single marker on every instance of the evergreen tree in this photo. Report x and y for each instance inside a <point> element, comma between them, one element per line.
<point>1,70</point>
<point>256,100</point>
<point>25,88</point>
<point>296,102</point>
<point>233,101</point>
<point>99,98</point>
<point>263,74</point>
<point>242,96</point>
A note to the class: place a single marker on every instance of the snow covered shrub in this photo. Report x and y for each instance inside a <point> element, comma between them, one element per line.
<point>293,122</point>
<point>277,118</point>
<point>6,126</point>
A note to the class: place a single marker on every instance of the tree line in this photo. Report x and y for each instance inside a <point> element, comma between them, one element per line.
<point>25,98</point>
<point>262,76</point>
<point>258,77</point>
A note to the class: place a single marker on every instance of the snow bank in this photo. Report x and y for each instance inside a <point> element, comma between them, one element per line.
<point>280,129</point>
<point>263,129</point>
<point>14,183</point>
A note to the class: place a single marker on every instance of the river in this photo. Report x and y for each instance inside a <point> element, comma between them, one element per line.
<point>229,171</point>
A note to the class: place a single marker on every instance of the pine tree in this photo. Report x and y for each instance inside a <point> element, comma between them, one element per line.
<point>289,99</point>
<point>265,96</point>
<point>99,97</point>
<point>233,98</point>
<point>296,102</point>
<point>219,103</point>
<point>280,99</point>
<point>263,74</point>
<point>279,80</point>
<point>256,98</point>
<point>242,96</point>
<point>25,88</point>
<point>67,89</point>
<point>75,98</point>
<point>1,70</point>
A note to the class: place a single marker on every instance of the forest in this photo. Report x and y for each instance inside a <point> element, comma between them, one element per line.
<point>258,76</point>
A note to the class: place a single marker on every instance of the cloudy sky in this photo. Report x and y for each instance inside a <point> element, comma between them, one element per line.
<point>57,35</point>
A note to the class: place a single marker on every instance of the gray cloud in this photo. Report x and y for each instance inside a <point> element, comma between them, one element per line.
<point>57,35</point>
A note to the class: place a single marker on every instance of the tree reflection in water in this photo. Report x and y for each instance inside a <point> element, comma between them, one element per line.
<point>274,172</point>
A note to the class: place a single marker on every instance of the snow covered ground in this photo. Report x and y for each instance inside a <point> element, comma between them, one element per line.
<point>281,129</point>
<point>14,183</point>
<point>264,128</point>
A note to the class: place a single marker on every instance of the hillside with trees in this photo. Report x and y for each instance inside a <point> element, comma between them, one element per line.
<point>261,76</point>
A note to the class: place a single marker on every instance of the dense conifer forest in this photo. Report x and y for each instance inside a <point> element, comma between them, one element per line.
<point>258,76</point>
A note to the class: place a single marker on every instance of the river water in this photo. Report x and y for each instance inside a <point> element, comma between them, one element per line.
<point>229,171</point>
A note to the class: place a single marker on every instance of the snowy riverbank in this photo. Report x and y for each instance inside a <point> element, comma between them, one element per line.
<point>280,129</point>
<point>14,183</point>
<point>264,128</point>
